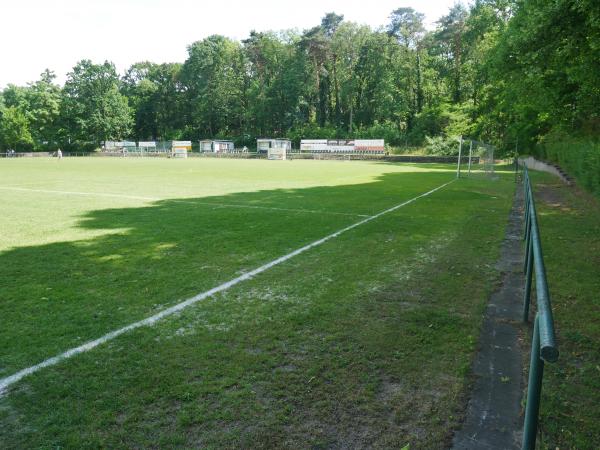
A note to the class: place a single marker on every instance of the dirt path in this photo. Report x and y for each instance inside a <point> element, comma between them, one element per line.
<point>493,416</point>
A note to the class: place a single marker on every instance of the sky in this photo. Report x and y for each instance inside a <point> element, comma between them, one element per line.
<point>55,34</point>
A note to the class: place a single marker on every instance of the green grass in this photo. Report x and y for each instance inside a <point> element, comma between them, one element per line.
<point>569,221</point>
<point>579,157</point>
<point>363,341</point>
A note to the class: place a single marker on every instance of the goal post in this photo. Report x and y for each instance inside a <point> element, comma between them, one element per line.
<point>460,144</point>
<point>481,158</point>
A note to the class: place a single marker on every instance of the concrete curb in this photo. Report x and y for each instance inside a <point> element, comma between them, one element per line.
<point>493,418</point>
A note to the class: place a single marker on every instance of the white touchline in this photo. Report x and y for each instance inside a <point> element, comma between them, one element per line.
<point>12,379</point>
<point>155,199</point>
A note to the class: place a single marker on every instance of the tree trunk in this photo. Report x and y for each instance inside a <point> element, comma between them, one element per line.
<point>419,83</point>
<point>336,88</point>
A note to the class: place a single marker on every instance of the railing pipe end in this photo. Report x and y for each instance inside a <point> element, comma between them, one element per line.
<point>549,353</point>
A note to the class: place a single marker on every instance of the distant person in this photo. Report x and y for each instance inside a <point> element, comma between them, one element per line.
<point>59,153</point>
<point>245,149</point>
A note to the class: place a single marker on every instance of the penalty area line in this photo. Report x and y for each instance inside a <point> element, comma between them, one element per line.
<point>12,379</point>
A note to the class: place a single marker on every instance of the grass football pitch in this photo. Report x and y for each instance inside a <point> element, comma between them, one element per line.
<point>365,340</point>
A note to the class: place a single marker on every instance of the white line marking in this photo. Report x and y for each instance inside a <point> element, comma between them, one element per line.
<point>155,199</point>
<point>93,194</point>
<point>12,379</point>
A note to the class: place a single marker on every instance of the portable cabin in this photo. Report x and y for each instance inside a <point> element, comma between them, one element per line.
<point>109,146</point>
<point>275,148</point>
<point>216,146</point>
<point>127,146</point>
<point>206,146</point>
<point>147,146</point>
<point>263,145</point>
<point>180,149</point>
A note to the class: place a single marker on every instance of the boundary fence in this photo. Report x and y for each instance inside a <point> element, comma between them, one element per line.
<point>255,155</point>
<point>543,346</point>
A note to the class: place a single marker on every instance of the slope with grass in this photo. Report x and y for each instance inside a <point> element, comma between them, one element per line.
<point>363,341</point>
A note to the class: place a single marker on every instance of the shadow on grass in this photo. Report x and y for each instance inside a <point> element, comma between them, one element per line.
<point>60,295</point>
<point>362,343</point>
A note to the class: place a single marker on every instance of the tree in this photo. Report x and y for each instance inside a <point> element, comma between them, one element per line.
<point>406,25</point>
<point>213,75</point>
<point>449,37</point>
<point>14,128</point>
<point>156,95</point>
<point>346,43</point>
<point>93,107</point>
<point>274,85</point>
<point>43,108</point>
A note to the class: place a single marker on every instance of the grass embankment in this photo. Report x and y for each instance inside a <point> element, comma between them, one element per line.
<point>570,229</point>
<point>365,341</point>
<point>580,158</point>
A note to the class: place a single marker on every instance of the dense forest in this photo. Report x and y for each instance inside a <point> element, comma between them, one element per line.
<point>503,71</point>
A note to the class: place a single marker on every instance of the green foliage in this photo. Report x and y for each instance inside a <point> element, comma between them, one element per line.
<point>94,109</point>
<point>156,94</point>
<point>500,71</point>
<point>14,129</point>
<point>544,72</point>
<point>444,119</point>
<point>579,157</point>
<point>441,145</point>
<point>214,77</point>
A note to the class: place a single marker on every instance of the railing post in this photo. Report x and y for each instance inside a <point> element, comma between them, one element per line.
<point>526,206</point>
<point>534,390</point>
<point>470,155</point>
<point>527,243</point>
<point>528,279</point>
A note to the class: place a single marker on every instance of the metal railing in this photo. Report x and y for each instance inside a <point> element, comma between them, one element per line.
<point>543,346</point>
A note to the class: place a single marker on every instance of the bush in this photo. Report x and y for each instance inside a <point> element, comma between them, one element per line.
<point>579,157</point>
<point>451,120</point>
<point>441,145</point>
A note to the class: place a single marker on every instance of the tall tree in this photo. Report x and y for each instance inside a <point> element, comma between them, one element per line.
<point>214,78</point>
<point>156,94</point>
<point>14,128</point>
<point>93,107</point>
<point>43,108</point>
<point>406,25</point>
<point>450,39</point>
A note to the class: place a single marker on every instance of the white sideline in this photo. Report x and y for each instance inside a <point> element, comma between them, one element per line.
<point>12,379</point>
<point>155,199</point>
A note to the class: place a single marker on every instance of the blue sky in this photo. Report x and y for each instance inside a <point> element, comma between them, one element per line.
<point>55,34</point>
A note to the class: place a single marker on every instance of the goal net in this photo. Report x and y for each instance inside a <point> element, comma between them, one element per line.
<point>480,158</point>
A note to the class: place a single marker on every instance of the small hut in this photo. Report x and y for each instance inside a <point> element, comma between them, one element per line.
<point>147,146</point>
<point>210,146</point>
<point>180,149</point>
<point>275,148</point>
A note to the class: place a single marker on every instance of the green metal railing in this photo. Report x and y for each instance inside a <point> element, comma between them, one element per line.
<point>543,347</point>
